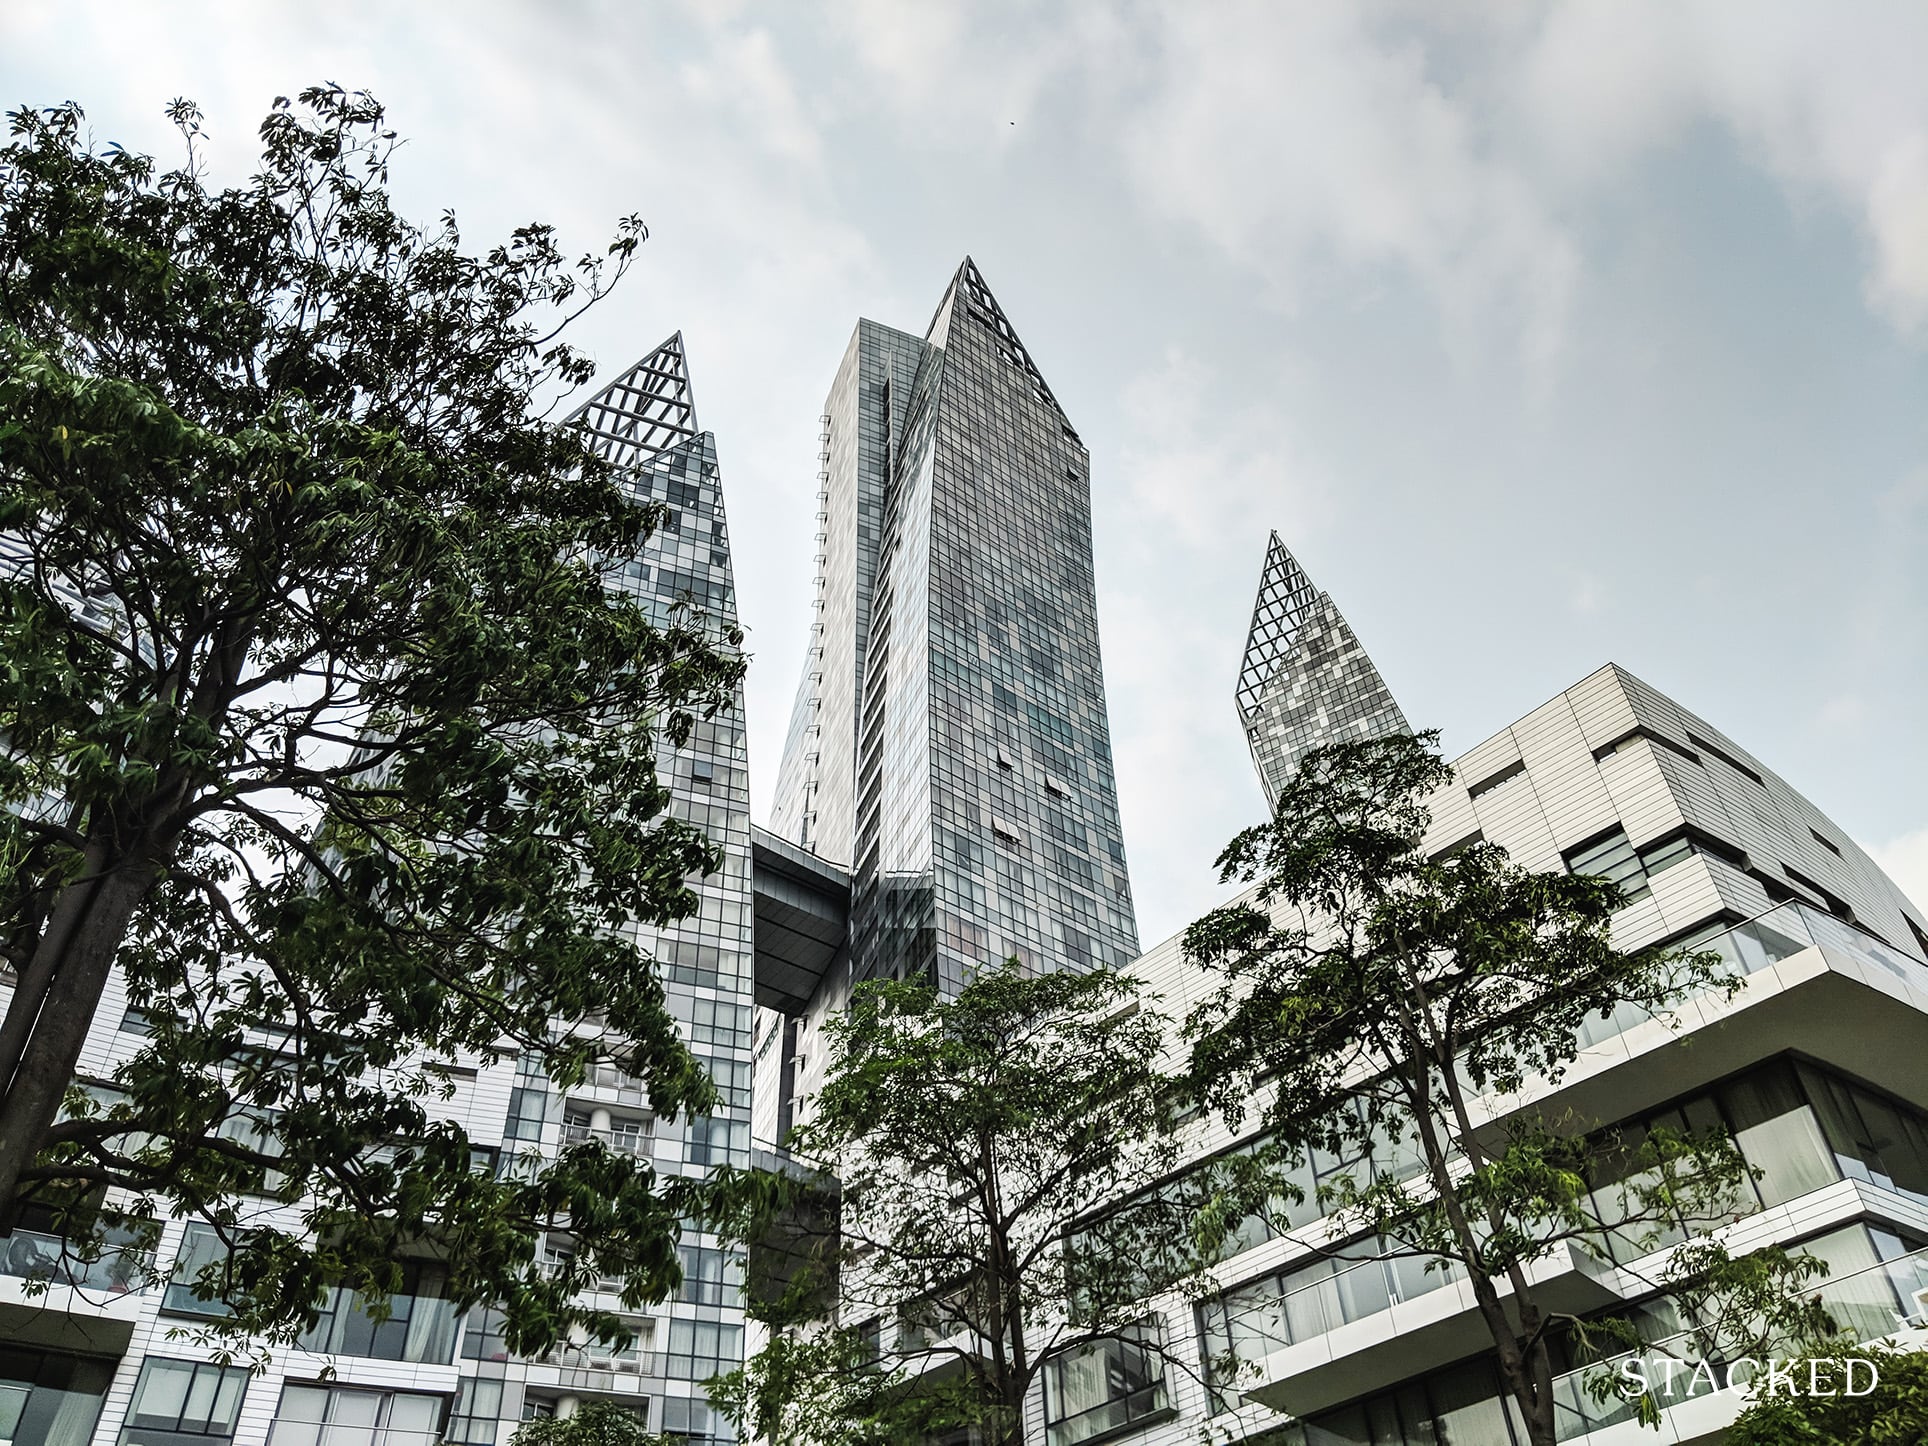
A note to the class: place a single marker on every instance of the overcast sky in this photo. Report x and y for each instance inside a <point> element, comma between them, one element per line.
<point>1546,336</point>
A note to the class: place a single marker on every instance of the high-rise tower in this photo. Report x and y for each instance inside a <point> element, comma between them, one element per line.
<point>1306,680</point>
<point>96,1352</point>
<point>950,744</point>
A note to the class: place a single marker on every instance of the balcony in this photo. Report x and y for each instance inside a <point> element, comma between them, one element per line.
<point>633,1140</point>
<point>1888,1301</point>
<point>1358,1331</point>
<point>598,1367</point>
<point>50,1297</point>
<point>1809,983</point>
<point>123,1265</point>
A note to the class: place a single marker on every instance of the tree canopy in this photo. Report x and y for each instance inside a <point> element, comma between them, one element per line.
<point>593,1423</point>
<point>321,725</point>
<point>1893,1413</point>
<point>1397,1016</point>
<point>973,1140</point>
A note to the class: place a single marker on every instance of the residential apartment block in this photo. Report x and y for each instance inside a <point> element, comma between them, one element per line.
<point>93,1357</point>
<point>1818,1067</point>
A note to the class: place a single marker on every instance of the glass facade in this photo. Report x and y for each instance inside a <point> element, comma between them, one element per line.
<point>316,1415</point>
<point>1800,1126</point>
<point>950,740</point>
<point>184,1403</point>
<point>1305,680</point>
<point>50,1398</point>
<point>1105,1387</point>
<point>646,423</point>
<point>418,1323</point>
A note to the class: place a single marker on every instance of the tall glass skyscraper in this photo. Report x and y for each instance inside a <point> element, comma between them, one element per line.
<point>949,744</point>
<point>93,1352</point>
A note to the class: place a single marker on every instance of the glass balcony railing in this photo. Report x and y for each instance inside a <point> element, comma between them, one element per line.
<point>123,1265</point>
<point>632,1141</point>
<point>1868,1304</point>
<point>1767,939</point>
<point>601,1358</point>
<point>1352,1291</point>
<point>314,1433</point>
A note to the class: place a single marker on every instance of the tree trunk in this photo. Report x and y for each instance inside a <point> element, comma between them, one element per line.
<point>70,968</point>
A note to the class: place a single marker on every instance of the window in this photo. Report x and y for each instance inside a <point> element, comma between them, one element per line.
<point>528,1107</point>
<point>695,1421</point>
<point>482,1336</point>
<point>699,1349</point>
<point>191,1289</point>
<point>1614,857</point>
<point>478,1406</point>
<point>178,1402</point>
<point>711,1276</point>
<point>419,1327</point>
<point>1872,1139</point>
<point>49,1398</point>
<point>1729,759</point>
<point>1104,1387</point>
<point>716,1141</point>
<point>254,1129</point>
<point>340,1416</point>
<point>1494,780</point>
<point>1638,735</point>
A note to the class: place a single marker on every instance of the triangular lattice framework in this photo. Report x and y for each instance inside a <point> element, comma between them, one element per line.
<point>1286,596</point>
<point>648,408</point>
<point>984,306</point>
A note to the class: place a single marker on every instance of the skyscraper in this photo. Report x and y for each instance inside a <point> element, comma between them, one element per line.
<point>91,1355</point>
<point>950,744</point>
<point>1306,680</point>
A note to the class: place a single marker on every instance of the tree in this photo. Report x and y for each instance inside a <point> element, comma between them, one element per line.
<point>320,723</point>
<point>593,1423</point>
<point>1894,1413</point>
<point>971,1138</point>
<point>1376,1004</point>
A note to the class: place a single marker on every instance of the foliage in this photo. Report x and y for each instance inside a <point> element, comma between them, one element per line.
<point>1386,1010</point>
<point>321,724</point>
<point>593,1423</point>
<point>1894,1413</point>
<point>972,1138</point>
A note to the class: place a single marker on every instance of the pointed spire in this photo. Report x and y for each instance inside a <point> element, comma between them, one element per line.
<point>1305,680</point>
<point>648,408</point>
<point>1286,595</point>
<point>968,286</point>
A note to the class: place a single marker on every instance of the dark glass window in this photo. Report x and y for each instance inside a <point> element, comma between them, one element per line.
<point>181,1402</point>
<point>1104,1387</point>
<point>186,1294</point>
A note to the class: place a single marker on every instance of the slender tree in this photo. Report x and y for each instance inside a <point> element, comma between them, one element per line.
<point>320,723</point>
<point>1381,1006</point>
<point>972,1139</point>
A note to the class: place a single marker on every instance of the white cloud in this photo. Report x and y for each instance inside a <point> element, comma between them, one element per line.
<point>1192,474</point>
<point>1292,134</point>
<point>1905,860</point>
<point>1827,99</point>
